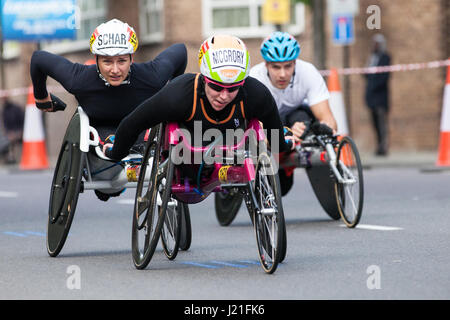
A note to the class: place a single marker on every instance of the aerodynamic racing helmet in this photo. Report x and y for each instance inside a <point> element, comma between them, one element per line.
<point>224,59</point>
<point>280,47</point>
<point>113,38</point>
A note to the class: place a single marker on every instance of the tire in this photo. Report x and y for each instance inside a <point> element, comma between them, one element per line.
<point>227,205</point>
<point>268,216</point>
<point>186,228</point>
<point>148,216</point>
<point>65,188</point>
<point>171,231</point>
<point>349,196</point>
<point>322,182</point>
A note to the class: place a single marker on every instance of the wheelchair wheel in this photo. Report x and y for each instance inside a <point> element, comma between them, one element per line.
<point>227,205</point>
<point>186,228</point>
<point>65,188</point>
<point>268,218</point>
<point>171,231</point>
<point>350,193</point>
<point>149,214</point>
<point>322,182</point>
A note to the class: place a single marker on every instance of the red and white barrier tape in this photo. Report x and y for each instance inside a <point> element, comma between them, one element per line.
<point>25,90</point>
<point>391,68</point>
<point>325,73</point>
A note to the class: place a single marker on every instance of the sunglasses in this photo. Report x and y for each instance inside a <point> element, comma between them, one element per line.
<point>219,87</point>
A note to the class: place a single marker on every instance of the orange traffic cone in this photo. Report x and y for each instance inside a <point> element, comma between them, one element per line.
<point>34,154</point>
<point>338,109</point>
<point>444,142</point>
<point>90,62</point>
<point>337,103</point>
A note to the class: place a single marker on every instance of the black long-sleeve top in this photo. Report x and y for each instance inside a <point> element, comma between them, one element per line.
<point>107,105</point>
<point>174,103</point>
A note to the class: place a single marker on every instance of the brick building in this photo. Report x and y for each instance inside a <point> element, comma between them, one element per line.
<point>416,31</point>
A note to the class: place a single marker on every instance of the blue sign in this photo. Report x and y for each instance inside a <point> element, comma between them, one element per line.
<point>343,30</point>
<point>35,20</point>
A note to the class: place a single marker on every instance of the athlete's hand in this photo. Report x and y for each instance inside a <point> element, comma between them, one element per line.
<point>107,146</point>
<point>290,140</point>
<point>297,130</point>
<point>329,125</point>
<point>45,104</point>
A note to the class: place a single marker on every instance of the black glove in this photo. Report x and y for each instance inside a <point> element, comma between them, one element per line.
<point>55,105</point>
<point>321,129</point>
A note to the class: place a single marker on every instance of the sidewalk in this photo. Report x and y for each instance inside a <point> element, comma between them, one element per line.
<point>420,159</point>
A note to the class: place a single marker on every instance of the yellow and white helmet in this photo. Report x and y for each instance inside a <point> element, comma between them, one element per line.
<point>113,38</point>
<point>224,58</point>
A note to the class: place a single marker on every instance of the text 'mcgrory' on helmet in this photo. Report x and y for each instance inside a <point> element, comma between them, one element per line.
<point>113,38</point>
<point>224,58</point>
<point>280,47</point>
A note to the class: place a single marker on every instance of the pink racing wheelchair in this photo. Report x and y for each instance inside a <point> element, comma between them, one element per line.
<point>168,179</point>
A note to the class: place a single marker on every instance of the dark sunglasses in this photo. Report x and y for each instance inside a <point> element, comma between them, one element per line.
<point>219,87</point>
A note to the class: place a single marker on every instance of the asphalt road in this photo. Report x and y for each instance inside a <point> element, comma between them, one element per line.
<point>399,250</point>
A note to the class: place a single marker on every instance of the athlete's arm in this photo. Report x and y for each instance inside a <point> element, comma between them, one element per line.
<point>261,105</point>
<point>168,64</point>
<point>172,103</point>
<point>322,113</point>
<point>45,64</point>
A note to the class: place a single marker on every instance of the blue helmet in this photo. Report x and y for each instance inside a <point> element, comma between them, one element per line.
<point>280,47</point>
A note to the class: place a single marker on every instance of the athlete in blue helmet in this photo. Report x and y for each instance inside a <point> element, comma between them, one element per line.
<point>298,88</point>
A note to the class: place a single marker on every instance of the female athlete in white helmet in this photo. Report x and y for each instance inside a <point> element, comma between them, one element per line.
<point>115,86</point>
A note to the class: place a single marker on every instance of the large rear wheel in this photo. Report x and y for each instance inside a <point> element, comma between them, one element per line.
<point>65,188</point>
<point>152,196</point>
<point>268,215</point>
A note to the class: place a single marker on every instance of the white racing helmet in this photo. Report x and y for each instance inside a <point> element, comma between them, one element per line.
<point>113,38</point>
<point>224,58</point>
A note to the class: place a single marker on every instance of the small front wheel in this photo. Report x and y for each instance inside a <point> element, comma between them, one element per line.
<point>186,228</point>
<point>227,205</point>
<point>350,189</point>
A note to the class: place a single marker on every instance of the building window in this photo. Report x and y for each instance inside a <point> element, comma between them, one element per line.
<point>11,49</point>
<point>151,20</point>
<point>243,18</point>
<point>91,14</point>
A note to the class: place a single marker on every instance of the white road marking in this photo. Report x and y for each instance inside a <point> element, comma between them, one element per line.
<point>8,194</point>
<point>125,201</point>
<point>373,227</point>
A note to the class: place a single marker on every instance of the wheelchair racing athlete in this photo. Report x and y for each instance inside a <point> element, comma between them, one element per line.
<point>113,87</point>
<point>222,97</point>
<point>292,82</point>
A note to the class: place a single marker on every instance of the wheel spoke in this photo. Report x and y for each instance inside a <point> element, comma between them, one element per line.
<point>349,192</point>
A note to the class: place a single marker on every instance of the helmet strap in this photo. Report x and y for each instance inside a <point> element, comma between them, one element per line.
<point>292,79</point>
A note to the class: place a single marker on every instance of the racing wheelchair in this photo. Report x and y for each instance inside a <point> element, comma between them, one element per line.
<point>81,166</point>
<point>165,183</point>
<point>333,167</point>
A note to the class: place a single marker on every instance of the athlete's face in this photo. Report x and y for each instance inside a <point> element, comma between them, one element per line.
<point>280,73</point>
<point>219,99</point>
<point>114,69</point>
